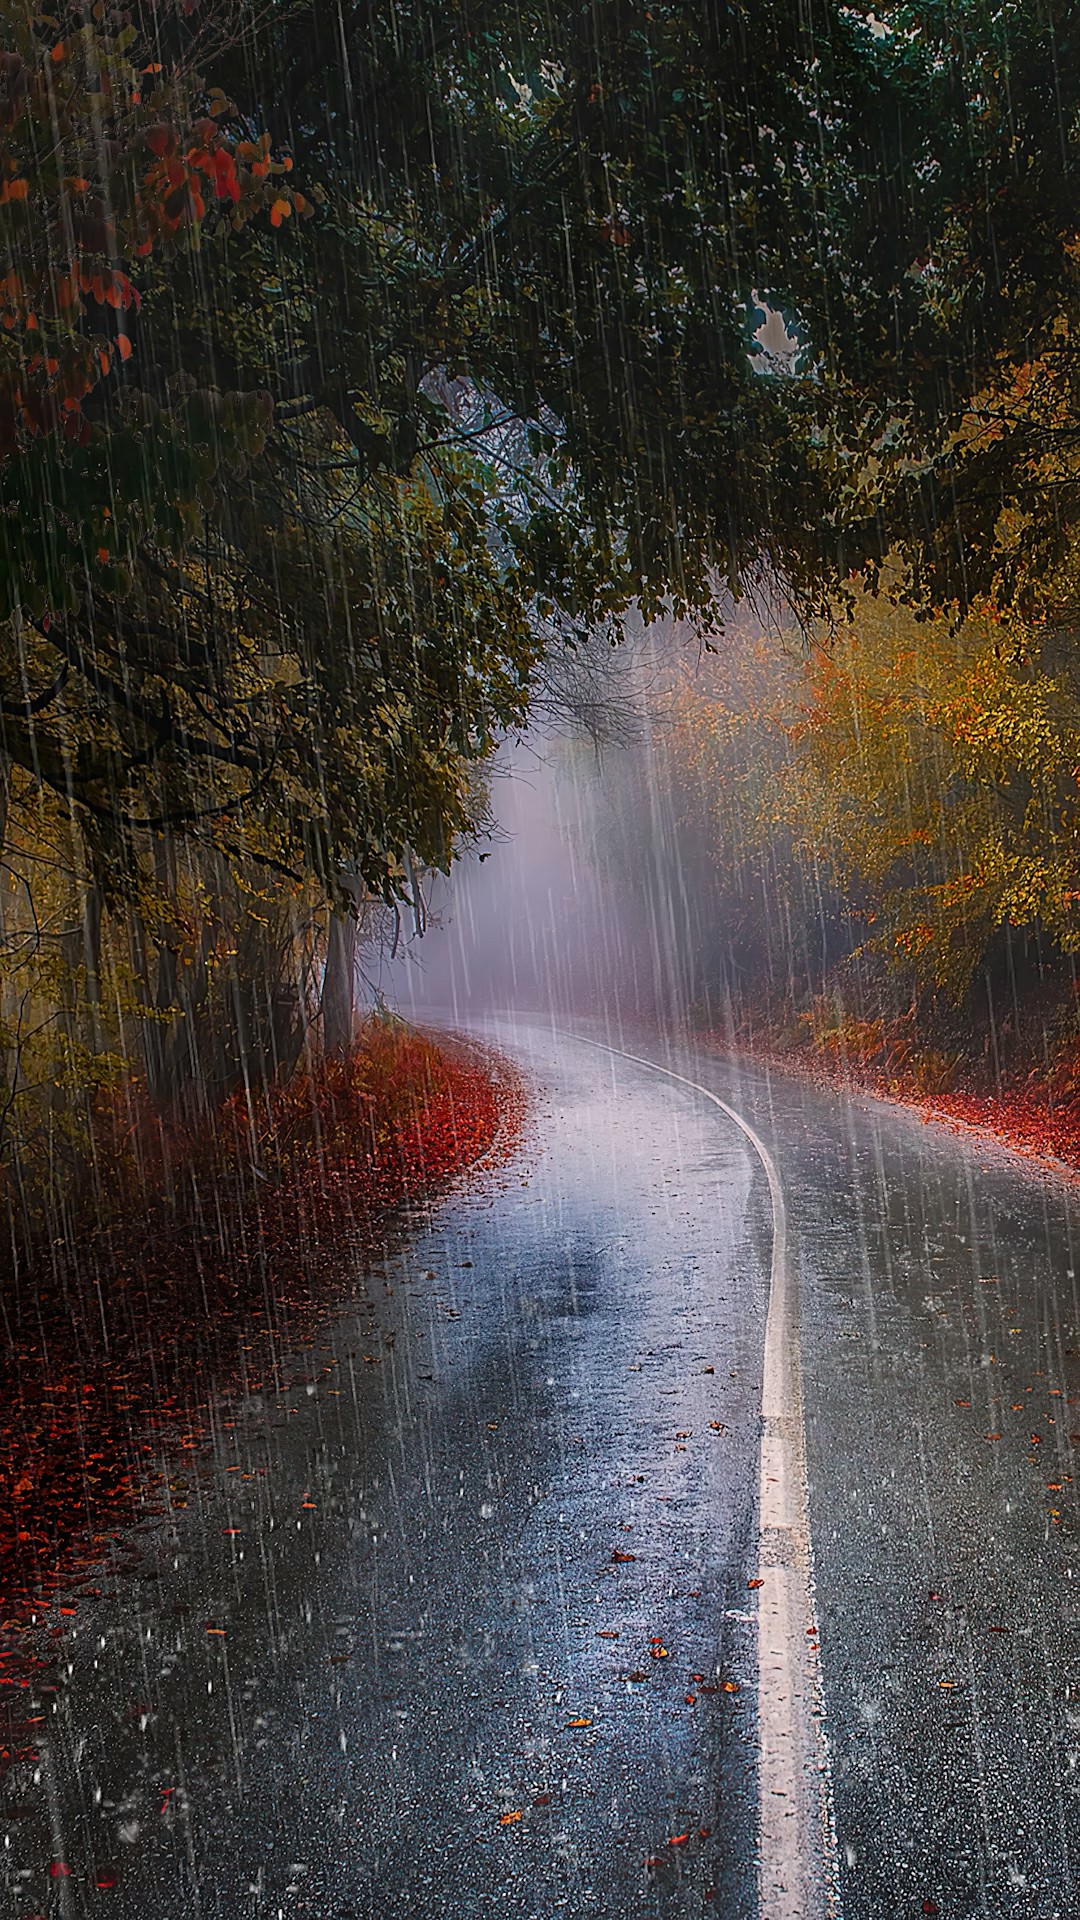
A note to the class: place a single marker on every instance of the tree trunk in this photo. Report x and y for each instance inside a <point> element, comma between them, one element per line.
<point>339,984</point>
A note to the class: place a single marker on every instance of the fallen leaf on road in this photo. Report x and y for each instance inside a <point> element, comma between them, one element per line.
<point>607,1633</point>
<point>755,1583</point>
<point>621,1558</point>
<point>579,1723</point>
<point>679,1840</point>
<point>507,1819</point>
<point>731,1686</point>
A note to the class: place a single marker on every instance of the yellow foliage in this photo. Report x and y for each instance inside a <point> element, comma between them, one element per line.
<point>929,768</point>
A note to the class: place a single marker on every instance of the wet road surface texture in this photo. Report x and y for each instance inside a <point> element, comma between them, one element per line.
<point>460,1623</point>
<point>447,1629</point>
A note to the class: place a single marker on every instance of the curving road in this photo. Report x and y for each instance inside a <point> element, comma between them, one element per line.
<point>486,1628</point>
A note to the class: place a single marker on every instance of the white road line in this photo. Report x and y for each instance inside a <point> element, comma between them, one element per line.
<point>797,1875</point>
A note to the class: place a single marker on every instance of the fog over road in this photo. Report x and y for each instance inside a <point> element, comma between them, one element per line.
<point>481,1595</point>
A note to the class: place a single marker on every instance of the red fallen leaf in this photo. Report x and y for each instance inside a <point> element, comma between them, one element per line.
<point>691,1699</point>
<point>755,1583</point>
<point>731,1686</point>
<point>679,1840</point>
<point>704,1832</point>
<point>658,1652</point>
<point>106,1880</point>
<point>1036,1439</point>
<point>542,1800</point>
<point>934,1595</point>
<point>621,1558</point>
<point>961,1403</point>
<point>607,1633</point>
<point>655,1860</point>
<point>508,1819</point>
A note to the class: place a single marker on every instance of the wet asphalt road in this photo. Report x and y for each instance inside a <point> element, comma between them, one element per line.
<point>460,1623</point>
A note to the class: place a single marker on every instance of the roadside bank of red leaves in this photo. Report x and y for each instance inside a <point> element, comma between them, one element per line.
<point>119,1354</point>
<point>1035,1110</point>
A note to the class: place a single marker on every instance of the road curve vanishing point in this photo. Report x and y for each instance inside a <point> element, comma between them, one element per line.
<point>797,1875</point>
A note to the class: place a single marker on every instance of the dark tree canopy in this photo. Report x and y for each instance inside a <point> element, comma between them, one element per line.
<point>373,349</point>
